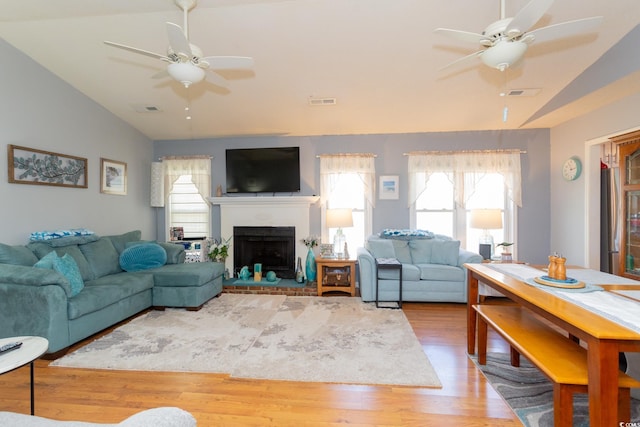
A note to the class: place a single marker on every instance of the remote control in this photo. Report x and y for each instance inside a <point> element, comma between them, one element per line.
<point>10,346</point>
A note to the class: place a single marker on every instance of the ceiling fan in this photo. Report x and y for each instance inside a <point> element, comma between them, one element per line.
<point>505,41</point>
<point>187,64</point>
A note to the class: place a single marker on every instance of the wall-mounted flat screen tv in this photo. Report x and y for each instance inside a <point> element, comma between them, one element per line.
<point>263,170</point>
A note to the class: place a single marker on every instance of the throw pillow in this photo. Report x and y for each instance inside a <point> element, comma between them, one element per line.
<point>381,248</point>
<point>47,260</point>
<point>102,257</point>
<point>445,252</point>
<point>421,250</point>
<point>67,266</point>
<point>17,255</point>
<point>121,240</point>
<point>143,257</point>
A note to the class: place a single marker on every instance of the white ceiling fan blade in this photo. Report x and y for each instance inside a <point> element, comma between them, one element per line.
<point>527,17</point>
<point>463,59</point>
<point>563,29</point>
<point>136,50</point>
<point>229,62</point>
<point>178,40</point>
<point>463,35</point>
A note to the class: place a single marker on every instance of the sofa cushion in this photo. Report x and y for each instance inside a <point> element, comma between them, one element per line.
<point>106,290</point>
<point>410,272</point>
<point>17,255</point>
<point>67,266</point>
<point>441,272</point>
<point>445,252</point>
<point>41,249</point>
<point>381,248</point>
<point>120,241</point>
<point>421,251</point>
<point>402,251</point>
<point>143,257</point>
<point>175,253</point>
<point>102,257</point>
<point>190,274</point>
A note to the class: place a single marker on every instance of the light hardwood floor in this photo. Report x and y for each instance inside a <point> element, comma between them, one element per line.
<point>466,399</point>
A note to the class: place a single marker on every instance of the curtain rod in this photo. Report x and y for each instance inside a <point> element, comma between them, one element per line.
<point>463,152</point>
<point>346,155</point>
<point>185,157</point>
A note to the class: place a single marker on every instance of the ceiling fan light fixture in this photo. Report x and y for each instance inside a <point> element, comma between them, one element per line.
<point>504,54</point>
<point>186,73</point>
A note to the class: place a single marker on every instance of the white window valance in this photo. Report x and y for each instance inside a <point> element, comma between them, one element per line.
<point>198,167</point>
<point>331,166</point>
<point>472,165</point>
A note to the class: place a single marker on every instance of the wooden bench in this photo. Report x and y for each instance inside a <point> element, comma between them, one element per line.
<point>561,359</point>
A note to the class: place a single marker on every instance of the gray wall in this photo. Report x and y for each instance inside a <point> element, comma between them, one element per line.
<point>533,217</point>
<point>38,110</point>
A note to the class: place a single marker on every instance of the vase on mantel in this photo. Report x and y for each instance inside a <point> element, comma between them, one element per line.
<point>310,266</point>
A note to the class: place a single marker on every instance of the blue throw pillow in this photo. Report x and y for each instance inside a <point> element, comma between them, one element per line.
<point>67,266</point>
<point>142,257</point>
<point>47,260</point>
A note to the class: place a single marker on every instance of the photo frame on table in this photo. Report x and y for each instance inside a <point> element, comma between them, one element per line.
<point>389,187</point>
<point>40,167</point>
<point>326,250</point>
<point>113,177</point>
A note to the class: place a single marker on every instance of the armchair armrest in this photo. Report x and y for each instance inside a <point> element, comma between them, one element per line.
<point>466,256</point>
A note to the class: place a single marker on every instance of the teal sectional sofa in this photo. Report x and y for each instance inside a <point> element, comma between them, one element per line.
<point>432,267</point>
<point>55,304</point>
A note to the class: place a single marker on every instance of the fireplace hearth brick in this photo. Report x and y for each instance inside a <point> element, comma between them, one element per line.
<point>310,290</point>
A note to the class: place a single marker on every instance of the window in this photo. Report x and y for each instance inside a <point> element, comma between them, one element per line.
<point>348,181</point>
<point>187,181</point>
<point>445,187</point>
<point>187,208</point>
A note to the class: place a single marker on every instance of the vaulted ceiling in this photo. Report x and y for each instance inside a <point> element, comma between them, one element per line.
<point>379,59</point>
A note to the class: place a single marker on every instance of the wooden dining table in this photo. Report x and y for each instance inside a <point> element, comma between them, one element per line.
<point>602,336</point>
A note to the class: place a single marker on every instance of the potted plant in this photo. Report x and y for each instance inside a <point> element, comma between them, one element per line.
<point>506,255</point>
<point>219,251</point>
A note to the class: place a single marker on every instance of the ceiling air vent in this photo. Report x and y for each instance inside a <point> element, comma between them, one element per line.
<point>523,92</point>
<point>143,108</point>
<point>322,101</point>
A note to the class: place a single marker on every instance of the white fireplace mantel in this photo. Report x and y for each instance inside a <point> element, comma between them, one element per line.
<point>276,211</point>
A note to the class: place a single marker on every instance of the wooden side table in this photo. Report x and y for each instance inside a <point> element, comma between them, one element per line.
<point>336,275</point>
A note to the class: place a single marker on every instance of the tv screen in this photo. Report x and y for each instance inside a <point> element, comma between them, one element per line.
<point>263,170</point>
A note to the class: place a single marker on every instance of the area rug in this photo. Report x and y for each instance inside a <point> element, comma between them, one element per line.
<point>314,339</point>
<point>530,394</point>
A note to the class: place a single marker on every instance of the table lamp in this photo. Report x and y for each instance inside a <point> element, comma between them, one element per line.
<point>338,218</point>
<point>486,219</point>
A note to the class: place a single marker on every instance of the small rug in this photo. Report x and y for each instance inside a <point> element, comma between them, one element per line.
<point>314,339</point>
<point>530,394</point>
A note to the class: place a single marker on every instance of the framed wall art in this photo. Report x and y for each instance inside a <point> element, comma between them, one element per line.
<point>40,167</point>
<point>389,187</point>
<point>113,177</point>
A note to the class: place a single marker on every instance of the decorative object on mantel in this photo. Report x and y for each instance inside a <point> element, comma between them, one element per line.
<point>219,191</point>
<point>310,264</point>
<point>38,167</point>
<point>299,273</point>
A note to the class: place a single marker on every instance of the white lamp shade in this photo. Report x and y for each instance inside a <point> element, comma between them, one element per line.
<point>486,219</point>
<point>338,218</point>
<point>504,54</point>
<point>186,73</point>
<point>157,185</point>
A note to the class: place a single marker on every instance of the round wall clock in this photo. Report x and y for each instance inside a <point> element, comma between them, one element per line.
<point>572,168</point>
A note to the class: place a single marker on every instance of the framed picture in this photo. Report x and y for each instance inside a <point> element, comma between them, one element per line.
<point>389,187</point>
<point>326,250</point>
<point>113,177</point>
<point>176,233</point>
<point>39,167</point>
